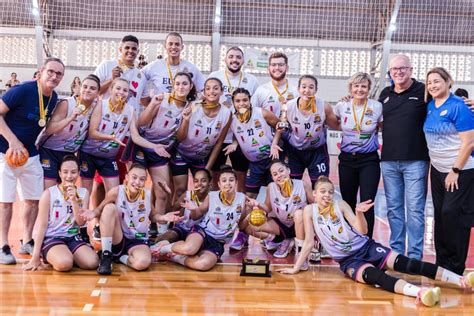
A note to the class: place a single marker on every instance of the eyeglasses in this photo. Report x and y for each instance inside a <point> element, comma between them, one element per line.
<point>400,69</point>
<point>51,73</point>
<point>277,64</point>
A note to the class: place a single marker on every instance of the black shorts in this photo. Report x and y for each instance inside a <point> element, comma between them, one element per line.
<point>50,161</point>
<point>285,231</point>
<point>237,158</point>
<point>315,160</point>
<point>209,243</point>
<point>147,157</point>
<point>181,165</point>
<point>123,247</point>
<point>73,243</point>
<point>89,164</point>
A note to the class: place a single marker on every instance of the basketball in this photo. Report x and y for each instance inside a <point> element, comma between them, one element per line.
<point>257,217</point>
<point>18,160</point>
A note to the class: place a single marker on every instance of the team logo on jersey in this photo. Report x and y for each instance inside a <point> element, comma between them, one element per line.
<point>199,123</point>
<point>206,140</point>
<point>254,142</point>
<point>290,96</point>
<point>386,100</point>
<point>56,203</point>
<point>131,224</point>
<point>261,134</point>
<point>218,210</point>
<point>45,163</point>
<point>106,117</point>
<point>239,209</point>
<point>258,125</point>
<point>125,120</point>
<point>141,207</point>
<point>141,219</point>
<point>296,199</point>
<point>169,114</point>
<point>308,135</point>
<point>84,167</point>
<point>348,110</point>
<point>68,221</point>
<point>218,126</point>
<point>320,220</point>
<point>340,230</point>
<point>315,141</point>
<point>368,122</point>
<point>350,272</point>
<point>239,129</point>
<point>317,119</point>
<point>289,216</point>
<point>443,113</point>
<point>369,112</point>
<point>295,120</point>
<point>270,99</point>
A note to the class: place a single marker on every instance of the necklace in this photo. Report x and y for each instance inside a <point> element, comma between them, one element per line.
<point>281,96</point>
<point>43,112</point>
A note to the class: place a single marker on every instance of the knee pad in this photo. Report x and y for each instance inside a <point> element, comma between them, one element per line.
<point>374,276</point>
<point>416,267</point>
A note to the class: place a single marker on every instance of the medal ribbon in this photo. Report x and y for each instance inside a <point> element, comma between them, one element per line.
<point>169,71</point>
<point>329,209</point>
<point>358,123</point>
<point>231,89</point>
<point>245,117</point>
<point>42,110</point>
<point>225,200</point>
<point>280,94</point>
<point>287,188</point>
<point>311,105</point>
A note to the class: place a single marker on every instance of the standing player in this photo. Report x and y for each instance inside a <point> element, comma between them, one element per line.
<point>200,135</point>
<point>232,78</point>
<point>24,111</point>
<point>361,258</point>
<point>59,218</point>
<point>278,91</point>
<point>161,72</point>
<point>159,124</point>
<point>306,141</point>
<point>221,212</point>
<point>284,202</point>
<point>124,67</point>
<point>67,129</point>
<point>125,216</point>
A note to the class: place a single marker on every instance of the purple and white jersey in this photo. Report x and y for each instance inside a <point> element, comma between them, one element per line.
<point>307,131</point>
<point>266,96</point>
<point>134,216</point>
<point>284,208</point>
<point>203,133</point>
<point>187,223</point>
<point>365,140</point>
<point>221,220</point>
<point>229,84</point>
<point>163,127</point>
<point>338,237</point>
<point>112,123</point>
<point>70,138</point>
<point>442,127</point>
<point>254,137</point>
<point>61,222</point>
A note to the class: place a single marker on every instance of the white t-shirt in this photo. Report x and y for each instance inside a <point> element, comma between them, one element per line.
<point>267,97</point>
<point>135,77</point>
<point>159,80</point>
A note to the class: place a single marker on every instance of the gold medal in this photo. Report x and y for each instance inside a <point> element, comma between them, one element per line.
<point>43,111</point>
<point>282,99</point>
<point>42,122</point>
<point>81,107</point>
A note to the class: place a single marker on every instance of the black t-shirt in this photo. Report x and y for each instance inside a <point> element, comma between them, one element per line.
<point>403,117</point>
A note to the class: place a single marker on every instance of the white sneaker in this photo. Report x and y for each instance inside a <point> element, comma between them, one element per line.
<point>6,256</point>
<point>429,296</point>
<point>284,248</point>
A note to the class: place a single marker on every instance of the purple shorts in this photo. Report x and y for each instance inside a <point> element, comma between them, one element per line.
<point>209,243</point>
<point>73,243</point>
<point>123,247</point>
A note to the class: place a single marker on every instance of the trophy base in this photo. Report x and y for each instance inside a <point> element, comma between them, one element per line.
<point>256,268</point>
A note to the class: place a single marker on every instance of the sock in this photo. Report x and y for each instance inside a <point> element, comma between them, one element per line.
<point>451,277</point>
<point>124,259</point>
<point>106,243</point>
<point>411,290</point>
<point>179,259</point>
<point>166,249</point>
<point>299,244</point>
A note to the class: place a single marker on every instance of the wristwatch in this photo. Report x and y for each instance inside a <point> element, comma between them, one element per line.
<point>455,170</point>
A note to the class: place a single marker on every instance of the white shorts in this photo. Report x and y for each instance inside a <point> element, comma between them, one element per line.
<point>28,179</point>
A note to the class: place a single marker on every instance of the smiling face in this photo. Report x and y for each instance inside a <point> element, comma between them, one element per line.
<point>51,74</point>
<point>241,103</point>
<point>174,46</point>
<point>89,90</point>
<point>234,60</point>
<point>277,68</point>
<point>280,173</point>
<point>202,183</point>
<point>360,90</point>
<point>212,91</point>
<point>400,71</point>
<point>227,182</point>
<point>437,86</point>
<point>182,86</point>
<point>135,179</point>
<point>307,88</point>
<point>128,51</point>
<point>324,193</point>
<point>69,172</point>
<point>119,89</point>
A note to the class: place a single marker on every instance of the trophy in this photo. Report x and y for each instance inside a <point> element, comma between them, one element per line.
<point>283,124</point>
<point>256,267</point>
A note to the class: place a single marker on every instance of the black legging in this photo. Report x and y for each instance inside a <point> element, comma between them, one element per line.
<point>360,171</point>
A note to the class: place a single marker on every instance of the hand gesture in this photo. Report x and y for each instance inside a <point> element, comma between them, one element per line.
<point>76,112</point>
<point>172,217</point>
<point>189,205</point>
<point>451,181</point>
<point>88,215</point>
<point>71,192</point>
<point>17,149</point>
<point>275,151</point>
<point>161,151</point>
<point>251,202</point>
<point>187,113</point>
<point>363,207</point>
<point>156,100</point>
<point>230,149</point>
<point>116,72</point>
<point>118,141</point>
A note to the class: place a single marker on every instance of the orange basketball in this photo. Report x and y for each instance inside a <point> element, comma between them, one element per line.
<point>18,160</point>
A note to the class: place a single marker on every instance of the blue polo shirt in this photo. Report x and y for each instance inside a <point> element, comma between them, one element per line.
<point>23,115</point>
<point>442,127</point>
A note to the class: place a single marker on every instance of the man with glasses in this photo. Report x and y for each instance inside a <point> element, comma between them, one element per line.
<point>24,111</point>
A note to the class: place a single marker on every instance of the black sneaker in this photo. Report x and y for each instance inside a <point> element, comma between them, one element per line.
<point>105,264</point>
<point>153,230</point>
<point>96,233</point>
<point>84,235</point>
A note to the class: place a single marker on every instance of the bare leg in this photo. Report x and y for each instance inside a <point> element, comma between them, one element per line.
<point>60,258</point>
<point>6,210</point>
<point>30,212</point>
<point>139,258</point>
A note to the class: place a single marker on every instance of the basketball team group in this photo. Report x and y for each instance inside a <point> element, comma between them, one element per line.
<point>80,166</point>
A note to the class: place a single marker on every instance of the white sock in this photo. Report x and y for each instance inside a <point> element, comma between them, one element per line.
<point>106,243</point>
<point>162,228</point>
<point>166,249</point>
<point>411,290</point>
<point>124,259</point>
<point>299,242</point>
<point>451,277</point>
<point>179,259</point>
